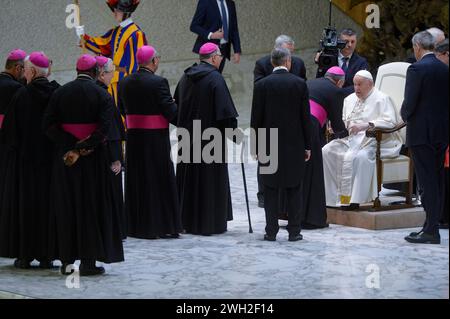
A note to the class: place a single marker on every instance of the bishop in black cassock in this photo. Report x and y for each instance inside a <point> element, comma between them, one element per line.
<point>27,205</point>
<point>77,121</point>
<point>151,197</point>
<point>204,190</point>
<point>9,85</point>
<point>326,100</point>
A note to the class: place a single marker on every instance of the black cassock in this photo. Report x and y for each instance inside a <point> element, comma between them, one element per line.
<point>88,227</point>
<point>151,198</point>
<point>25,227</point>
<point>116,136</point>
<point>204,189</point>
<point>8,88</point>
<point>323,92</point>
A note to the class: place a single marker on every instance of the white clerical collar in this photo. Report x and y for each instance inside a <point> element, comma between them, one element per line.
<point>126,22</point>
<point>280,68</point>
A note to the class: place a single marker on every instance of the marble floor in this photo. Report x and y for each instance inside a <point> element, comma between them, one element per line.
<point>338,262</point>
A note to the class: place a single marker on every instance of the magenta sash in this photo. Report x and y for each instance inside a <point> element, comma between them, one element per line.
<point>1,120</point>
<point>80,131</point>
<point>147,122</point>
<point>318,112</point>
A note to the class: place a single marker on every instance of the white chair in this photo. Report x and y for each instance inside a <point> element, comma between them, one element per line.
<point>391,80</point>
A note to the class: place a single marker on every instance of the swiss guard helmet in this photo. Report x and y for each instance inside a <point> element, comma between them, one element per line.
<point>125,6</point>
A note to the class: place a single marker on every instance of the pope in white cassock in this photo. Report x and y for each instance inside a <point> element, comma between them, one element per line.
<point>349,163</point>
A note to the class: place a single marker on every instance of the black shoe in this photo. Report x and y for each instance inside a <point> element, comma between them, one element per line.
<point>351,207</point>
<point>67,269</point>
<point>22,264</point>
<point>424,238</point>
<point>295,237</point>
<point>415,234</point>
<point>270,238</point>
<point>91,270</point>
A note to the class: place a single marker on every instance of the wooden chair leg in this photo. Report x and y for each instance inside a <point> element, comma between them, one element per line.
<point>379,163</point>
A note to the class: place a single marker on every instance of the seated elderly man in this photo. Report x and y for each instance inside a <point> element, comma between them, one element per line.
<point>349,163</point>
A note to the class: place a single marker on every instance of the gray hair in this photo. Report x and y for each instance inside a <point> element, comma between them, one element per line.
<point>438,34</point>
<point>39,71</point>
<point>108,67</point>
<point>424,40</point>
<point>282,39</point>
<point>442,47</point>
<point>280,56</point>
<point>204,57</point>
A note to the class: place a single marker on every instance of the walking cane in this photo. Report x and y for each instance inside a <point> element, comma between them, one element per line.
<point>83,42</point>
<point>250,230</point>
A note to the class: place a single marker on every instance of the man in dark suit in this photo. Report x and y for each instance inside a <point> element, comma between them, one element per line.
<point>281,102</point>
<point>264,67</point>
<point>425,110</point>
<point>216,21</point>
<point>349,60</point>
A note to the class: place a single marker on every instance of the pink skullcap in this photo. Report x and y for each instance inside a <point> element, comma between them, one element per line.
<point>101,60</point>
<point>208,48</point>
<point>86,62</point>
<point>39,59</point>
<point>145,54</point>
<point>17,55</point>
<point>335,70</point>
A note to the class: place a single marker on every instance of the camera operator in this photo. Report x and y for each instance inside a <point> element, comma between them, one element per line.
<point>348,59</point>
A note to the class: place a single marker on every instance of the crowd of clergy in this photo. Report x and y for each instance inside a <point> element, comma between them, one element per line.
<point>63,149</point>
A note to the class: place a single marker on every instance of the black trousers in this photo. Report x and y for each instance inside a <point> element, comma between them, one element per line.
<point>446,210</point>
<point>429,164</point>
<point>225,49</point>
<point>272,205</point>
<point>282,212</point>
<point>260,185</point>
